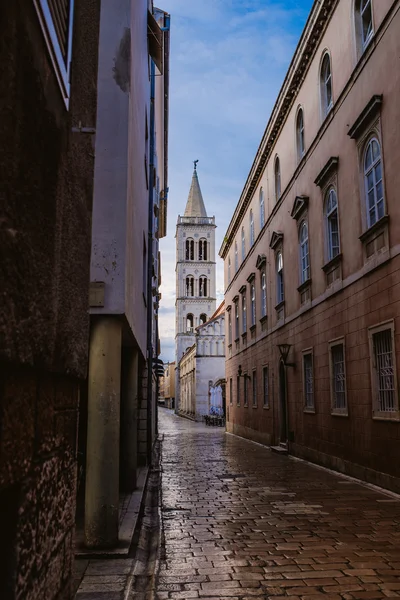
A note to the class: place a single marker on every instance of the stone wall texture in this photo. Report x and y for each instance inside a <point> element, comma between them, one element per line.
<point>46,175</point>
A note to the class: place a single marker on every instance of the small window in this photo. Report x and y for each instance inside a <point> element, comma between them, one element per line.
<point>253,304</point>
<point>326,85</point>
<point>300,134</point>
<point>190,323</point>
<point>229,271</point>
<point>338,378</point>
<point>375,204</point>
<point>56,19</point>
<point>263,294</point>
<point>279,278</point>
<point>244,314</point>
<point>230,391</point>
<point>236,320</point>
<point>189,246</point>
<point>254,388</point>
<point>238,391</point>
<point>236,258</point>
<point>251,228</point>
<point>332,224</point>
<point>383,371</point>
<point>364,22</point>
<point>304,253</point>
<point>189,286</point>
<point>262,209</point>
<point>243,244</point>
<point>246,391</point>
<point>277,179</point>
<point>203,287</point>
<point>203,318</point>
<point>265,387</point>
<point>308,381</point>
<point>229,328</point>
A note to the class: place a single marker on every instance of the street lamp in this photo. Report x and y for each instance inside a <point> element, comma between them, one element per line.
<point>284,351</point>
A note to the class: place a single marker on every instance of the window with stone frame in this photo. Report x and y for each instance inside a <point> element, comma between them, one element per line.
<point>326,85</point>
<point>263,294</point>
<point>304,253</point>
<point>189,323</point>
<point>229,327</point>
<point>385,399</point>
<point>236,304</point>
<point>363,19</point>
<point>229,271</point>
<point>337,368</point>
<point>277,176</point>
<point>280,292</point>
<point>253,303</point>
<point>230,391</point>
<point>254,387</point>
<point>203,249</point>
<point>373,182</point>
<point>301,148</point>
<point>252,236</point>
<point>265,387</point>
<point>243,244</point>
<point>244,313</point>
<point>189,249</point>
<point>189,286</point>
<point>203,287</point>
<point>236,258</point>
<point>332,224</point>
<point>308,380</point>
<point>238,390</point>
<point>262,208</point>
<point>56,20</point>
<point>245,390</point>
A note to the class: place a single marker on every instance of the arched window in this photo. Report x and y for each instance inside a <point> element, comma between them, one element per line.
<point>262,209</point>
<point>253,303</point>
<point>300,134</point>
<point>364,26</point>
<point>277,173</point>
<point>251,228</point>
<point>244,314</point>
<point>203,318</point>
<point>189,286</point>
<point>236,258</point>
<point>229,271</point>
<point>189,249</point>
<point>263,294</point>
<point>326,85</point>
<point>203,291</point>
<point>332,224</point>
<point>304,253</point>
<point>280,296</point>
<point>189,323</point>
<point>203,249</point>
<point>243,244</point>
<point>373,182</point>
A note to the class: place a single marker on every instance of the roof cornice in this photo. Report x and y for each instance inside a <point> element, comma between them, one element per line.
<point>317,21</point>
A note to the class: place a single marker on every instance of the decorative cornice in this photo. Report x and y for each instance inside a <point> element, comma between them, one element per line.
<point>330,167</point>
<point>367,114</point>
<point>243,289</point>
<point>299,206</point>
<point>235,298</point>
<point>251,277</point>
<point>304,54</point>
<point>276,239</point>
<point>261,261</point>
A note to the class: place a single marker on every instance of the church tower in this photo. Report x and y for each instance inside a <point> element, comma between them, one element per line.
<point>195,272</point>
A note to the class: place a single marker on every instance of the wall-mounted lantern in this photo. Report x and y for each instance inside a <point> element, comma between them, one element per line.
<point>284,352</point>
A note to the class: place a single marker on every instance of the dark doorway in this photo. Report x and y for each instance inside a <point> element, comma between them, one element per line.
<point>283,404</point>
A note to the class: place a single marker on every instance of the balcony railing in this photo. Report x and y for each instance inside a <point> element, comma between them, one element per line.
<point>196,220</point>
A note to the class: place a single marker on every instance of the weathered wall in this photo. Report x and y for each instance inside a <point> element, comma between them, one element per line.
<point>46,174</point>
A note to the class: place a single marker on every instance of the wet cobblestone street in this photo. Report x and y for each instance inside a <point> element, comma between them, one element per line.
<point>241,522</point>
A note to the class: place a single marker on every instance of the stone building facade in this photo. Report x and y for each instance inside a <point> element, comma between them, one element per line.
<point>312,253</point>
<point>195,274</point>
<point>202,368</point>
<point>48,112</point>
<point>169,384</point>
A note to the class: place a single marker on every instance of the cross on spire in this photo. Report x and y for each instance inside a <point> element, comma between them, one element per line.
<point>195,164</point>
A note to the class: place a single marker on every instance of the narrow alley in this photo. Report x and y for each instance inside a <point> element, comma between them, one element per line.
<point>240,522</point>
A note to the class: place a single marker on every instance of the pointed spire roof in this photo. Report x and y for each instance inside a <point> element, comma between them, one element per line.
<point>195,203</point>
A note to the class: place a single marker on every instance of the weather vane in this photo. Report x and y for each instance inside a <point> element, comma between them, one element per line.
<point>195,164</point>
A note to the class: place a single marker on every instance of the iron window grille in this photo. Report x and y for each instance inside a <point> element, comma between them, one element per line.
<point>308,378</point>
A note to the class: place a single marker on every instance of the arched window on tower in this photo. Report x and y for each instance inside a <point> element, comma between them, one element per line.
<point>203,318</point>
<point>189,286</point>
<point>189,323</point>
<point>189,255</point>
<point>203,249</point>
<point>203,291</point>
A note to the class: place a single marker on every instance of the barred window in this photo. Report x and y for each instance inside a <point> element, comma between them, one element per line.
<point>308,380</point>
<point>56,20</point>
<point>265,387</point>
<point>254,388</point>
<point>338,377</point>
<point>383,370</point>
<point>246,391</point>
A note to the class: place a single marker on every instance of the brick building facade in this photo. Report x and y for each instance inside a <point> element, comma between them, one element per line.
<point>312,253</point>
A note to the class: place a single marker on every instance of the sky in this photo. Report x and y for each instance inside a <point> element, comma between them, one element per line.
<point>228,61</point>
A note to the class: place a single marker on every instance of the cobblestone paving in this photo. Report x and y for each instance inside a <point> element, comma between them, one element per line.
<point>241,522</point>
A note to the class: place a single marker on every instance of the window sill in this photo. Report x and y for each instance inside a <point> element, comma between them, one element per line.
<point>245,406</point>
<point>280,305</point>
<point>263,319</point>
<point>236,340</point>
<point>304,286</point>
<point>333,263</point>
<point>310,411</point>
<point>266,407</point>
<point>375,228</point>
<point>339,412</point>
<point>254,406</point>
<point>393,416</point>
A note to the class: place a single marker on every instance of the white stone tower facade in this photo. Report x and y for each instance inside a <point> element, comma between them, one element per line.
<point>195,272</point>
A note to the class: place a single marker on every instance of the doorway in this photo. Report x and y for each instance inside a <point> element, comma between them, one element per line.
<point>282,404</point>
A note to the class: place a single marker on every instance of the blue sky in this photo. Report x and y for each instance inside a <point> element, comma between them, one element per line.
<point>228,61</point>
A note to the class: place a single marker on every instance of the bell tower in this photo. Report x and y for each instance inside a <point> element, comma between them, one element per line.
<point>195,272</point>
